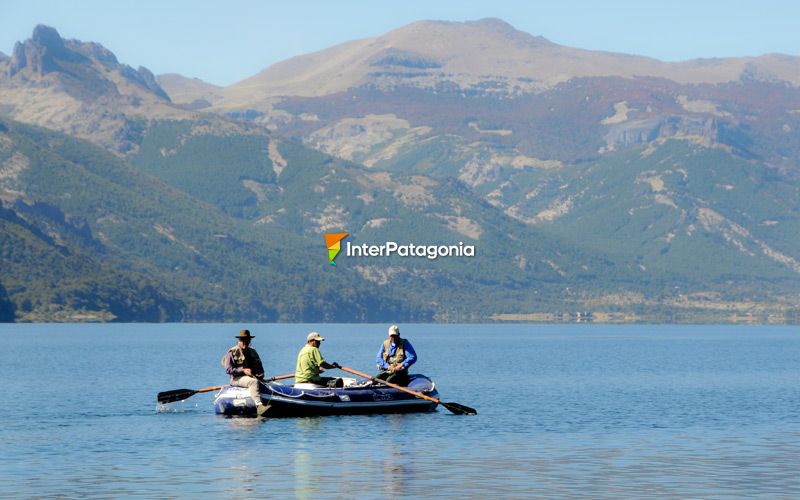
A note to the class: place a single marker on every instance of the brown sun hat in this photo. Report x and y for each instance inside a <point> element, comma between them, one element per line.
<point>245,334</point>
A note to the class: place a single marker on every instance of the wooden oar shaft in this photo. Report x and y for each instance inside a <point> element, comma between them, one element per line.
<point>209,389</point>
<point>181,394</point>
<point>218,387</point>
<point>394,386</point>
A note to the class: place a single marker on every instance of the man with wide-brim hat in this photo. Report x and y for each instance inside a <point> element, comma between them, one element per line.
<point>394,357</point>
<point>309,362</point>
<point>243,365</point>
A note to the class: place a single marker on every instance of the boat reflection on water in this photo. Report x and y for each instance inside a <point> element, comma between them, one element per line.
<point>306,435</point>
<point>398,464</point>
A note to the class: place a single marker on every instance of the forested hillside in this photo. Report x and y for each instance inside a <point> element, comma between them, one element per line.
<point>590,184</point>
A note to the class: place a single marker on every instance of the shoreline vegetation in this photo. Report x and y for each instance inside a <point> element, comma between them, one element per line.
<point>731,316</point>
<point>787,318</point>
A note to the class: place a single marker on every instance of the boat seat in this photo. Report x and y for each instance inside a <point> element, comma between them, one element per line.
<point>347,381</point>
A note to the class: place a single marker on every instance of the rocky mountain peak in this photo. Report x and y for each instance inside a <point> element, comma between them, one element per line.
<point>86,65</point>
<point>95,51</point>
<point>146,77</point>
<point>40,52</point>
<point>48,37</point>
<point>80,88</point>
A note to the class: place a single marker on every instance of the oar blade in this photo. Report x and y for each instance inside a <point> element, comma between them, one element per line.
<point>458,409</point>
<point>176,395</point>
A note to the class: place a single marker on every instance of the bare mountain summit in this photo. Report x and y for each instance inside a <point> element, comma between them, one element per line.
<point>488,54</point>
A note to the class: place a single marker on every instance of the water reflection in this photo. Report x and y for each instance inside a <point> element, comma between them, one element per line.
<point>398,466</point>
<point>305,469</point>
<point>245,476</point>
<point>243,423</point>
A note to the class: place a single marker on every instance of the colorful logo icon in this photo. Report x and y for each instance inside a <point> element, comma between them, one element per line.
<point>334,243</point>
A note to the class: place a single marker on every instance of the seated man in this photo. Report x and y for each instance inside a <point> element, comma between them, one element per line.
<point>243,365</point>
<point>394,357</point>
<point>309,361</point>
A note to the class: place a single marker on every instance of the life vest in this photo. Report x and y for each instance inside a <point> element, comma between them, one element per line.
<point>399,352</point>
<point>240,358</point>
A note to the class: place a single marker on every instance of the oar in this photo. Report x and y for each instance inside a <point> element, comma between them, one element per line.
<point>181,394</point>
<point>453,407</point>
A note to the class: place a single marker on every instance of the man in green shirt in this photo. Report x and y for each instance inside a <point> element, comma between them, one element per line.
<point>309,361</point>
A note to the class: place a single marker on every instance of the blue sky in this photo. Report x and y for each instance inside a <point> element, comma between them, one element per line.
<point>224,42</point>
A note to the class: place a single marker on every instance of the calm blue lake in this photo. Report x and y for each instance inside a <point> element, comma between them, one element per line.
<point>564,410</point>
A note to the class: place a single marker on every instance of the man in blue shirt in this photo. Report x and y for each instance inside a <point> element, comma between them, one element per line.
<point>394,357</point>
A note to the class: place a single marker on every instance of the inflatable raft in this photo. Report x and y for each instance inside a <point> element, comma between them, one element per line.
<point>301,400</point>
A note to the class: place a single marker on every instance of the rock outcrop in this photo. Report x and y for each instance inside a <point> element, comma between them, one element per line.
<point>41,52</point>
<point>46,52</point>
<point>80,88</point>
<point>702,129</point>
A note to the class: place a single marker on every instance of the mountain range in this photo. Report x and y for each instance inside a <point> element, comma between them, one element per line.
<point>591,183</point>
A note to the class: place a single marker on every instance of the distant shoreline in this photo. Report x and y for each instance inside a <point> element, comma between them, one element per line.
<point>600,318</point>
